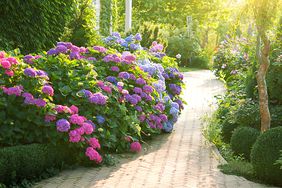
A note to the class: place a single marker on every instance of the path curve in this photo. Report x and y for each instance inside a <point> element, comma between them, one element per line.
<point>180,159</point>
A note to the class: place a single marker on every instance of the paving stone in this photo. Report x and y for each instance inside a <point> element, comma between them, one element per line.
<point>181,159</point>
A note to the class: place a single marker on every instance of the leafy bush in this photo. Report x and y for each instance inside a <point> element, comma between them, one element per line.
<point>152,32</point>
<point>189,48</point>
<point>264,154</point>
<point>242,140</point>
<point>27,161</point>
<point>239,168</point>
<point>228,126</point>
<point>274,81</point>
<point>248,114</point>
<point>81,28</point>
<point>33,25</point>
<point>72,95</point>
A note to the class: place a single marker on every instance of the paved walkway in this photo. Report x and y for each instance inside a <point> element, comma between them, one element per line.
<point>181,159</point>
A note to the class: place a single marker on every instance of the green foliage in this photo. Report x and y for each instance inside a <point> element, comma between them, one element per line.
<point>228,126</point>
<point>105,17</point>
<point>239,168</point>
<point>242,140</point>
<point>81,29</point>
<point>279,161</point>
<point>247,114</point>
<point>152,32</point>
<point>28,161</point>
<point>264,154</point>
<point>33,25</point>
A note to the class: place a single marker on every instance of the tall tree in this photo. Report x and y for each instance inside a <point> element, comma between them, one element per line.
<point>264,12</point>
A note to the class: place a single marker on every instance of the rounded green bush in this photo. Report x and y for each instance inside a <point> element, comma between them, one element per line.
<point>264,154</point>
<point>228,127</point>
<point>242,140</point>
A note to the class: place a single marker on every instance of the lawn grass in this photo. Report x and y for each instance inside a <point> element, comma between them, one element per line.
<point>188,69</point>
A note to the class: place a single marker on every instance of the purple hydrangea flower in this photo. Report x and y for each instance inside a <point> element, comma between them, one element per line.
<point>48,90</point>
<point>63,125</point>
<point>140,81</point>
<point>30,72</point>
<point>62,49</point>
<point>75,55</point>
<point>137,90</point>
<point>148,89</point>
<point>124,75</point>
<point>112,79</point>
<point>138,37</point>
<point>98,98</point>
<point>52,52</point>
<point>138,108</point>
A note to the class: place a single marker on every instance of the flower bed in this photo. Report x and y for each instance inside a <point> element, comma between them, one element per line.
<point>97,99</point>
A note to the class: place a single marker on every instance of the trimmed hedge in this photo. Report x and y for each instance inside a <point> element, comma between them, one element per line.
<point>33,25</point>
<point>228,126</point>
<point>242,140</point>
<point>264,154</point>
<point>30,161</point>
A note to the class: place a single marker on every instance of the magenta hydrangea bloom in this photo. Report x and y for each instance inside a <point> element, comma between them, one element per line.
<point>47,89</point>
<point>163,117</point>
<point>98,98</point>
<point>9,73</point>
<point>76,119</point>
<point>93,155</point>
<point>16,90</point>
<point>49,118</point>
<point>94,143</point>
<point>2,54</point>
<point>39,102</point>
<point>63,125</point>
<point>88,128</point>
<point>6,64</point>
<point>135,147</point>
<point>74,109</point>
<point>74,136</point>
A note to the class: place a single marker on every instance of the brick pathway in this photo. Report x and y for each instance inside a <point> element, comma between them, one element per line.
<point>180,159</point>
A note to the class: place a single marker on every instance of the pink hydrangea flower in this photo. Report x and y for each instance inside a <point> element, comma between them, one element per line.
<point>2,54</point>
<point>6,64</point>
<point>88,128</point>
<point>74,109</point>
<point>76,119</point>
<point>50,118</point>
<point>93,155</point>
<point>16,90</point>
<point>135,147</point>
<point>74,136</point>
<point>94,142</point>
<point>47,89</point>
<point>9,72</point>
<point>13,60</point>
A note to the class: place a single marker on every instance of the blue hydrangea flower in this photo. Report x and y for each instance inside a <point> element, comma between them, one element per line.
<point>100,119</point>
<point>168,127</point>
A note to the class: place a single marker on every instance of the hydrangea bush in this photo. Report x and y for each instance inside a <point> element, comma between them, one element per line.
<point>98,99</point>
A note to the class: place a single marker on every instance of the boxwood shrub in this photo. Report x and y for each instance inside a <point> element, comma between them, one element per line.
<point>264,154</point>
<point>242,140</point>
<point>30,161</point>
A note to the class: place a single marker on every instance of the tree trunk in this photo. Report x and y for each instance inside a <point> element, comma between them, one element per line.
<point>263,59</point>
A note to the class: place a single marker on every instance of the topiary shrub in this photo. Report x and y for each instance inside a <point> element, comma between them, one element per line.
<point>228,126</point>
<point>242,140</point>
<point>248,114</point>
<point>29,161</point>
<point>264,154</point>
